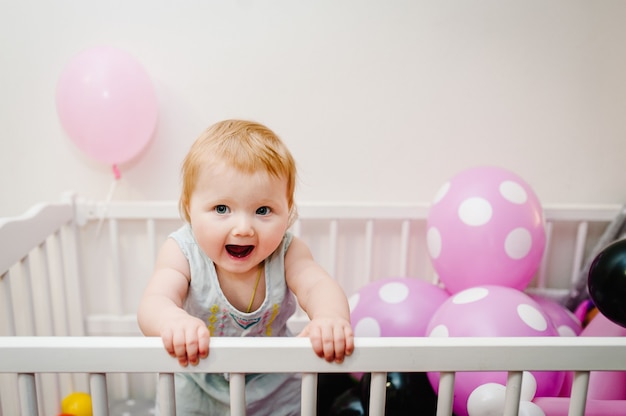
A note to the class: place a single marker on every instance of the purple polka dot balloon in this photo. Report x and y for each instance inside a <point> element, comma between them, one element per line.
<point>565,321</point>
<point>492,311</point>
<point>485,226</point>
<point>395,307</point>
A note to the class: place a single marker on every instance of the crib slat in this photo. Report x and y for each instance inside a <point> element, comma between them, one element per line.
<point>72,279</point>
<point>369,248</point>
<point>152,243</point>
<point>542,273</point>
<point>42,282</point>
<point>333,232</point>
<point>58,294</point>
<point>512,394</point>
<point>99,395</point>
<point>378,390</point>
<point>405,234</point>
<point>116,267</point>
<point>116,287</point>
<point>28,394</point>
<point>237,394</point>
<point>581,239</point>
<point>445,395</point>
<point>166,394</point>
<point>309,394</point>
<point>578,396</point>
<point>72,295</point>
<point>28,283</point>
<point>5,287</point>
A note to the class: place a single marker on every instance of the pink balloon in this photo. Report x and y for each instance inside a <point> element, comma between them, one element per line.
<point>565,321</point>
<point>559,406</point>
<point>485,227</point>
<point>491,311</point>
<point>107,104</point>
<point>601,326</point>
<point>603,385</point>
<point>395,307</point>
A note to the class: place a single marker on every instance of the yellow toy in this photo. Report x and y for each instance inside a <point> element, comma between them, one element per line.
<point>77,404</point>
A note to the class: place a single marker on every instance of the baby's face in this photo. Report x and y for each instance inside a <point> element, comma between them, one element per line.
<point>238,219</point>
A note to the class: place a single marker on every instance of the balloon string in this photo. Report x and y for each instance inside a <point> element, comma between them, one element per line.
<point>116,173</point>
<point>107,201</point>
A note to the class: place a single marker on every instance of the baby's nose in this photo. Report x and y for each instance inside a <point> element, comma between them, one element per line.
<point>243,226</point>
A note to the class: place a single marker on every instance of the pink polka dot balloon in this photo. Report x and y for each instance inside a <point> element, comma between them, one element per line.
<point>492,311</point>
<point>485,226</point>
<point>395,307</point>
<point>565,321</point>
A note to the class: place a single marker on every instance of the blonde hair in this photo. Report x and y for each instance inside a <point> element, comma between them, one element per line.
<point>245,145</point>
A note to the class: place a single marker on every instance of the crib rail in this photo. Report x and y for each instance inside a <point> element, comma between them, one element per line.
<point>40,288</point>
<point>334,210</point>
<point>42,221</point>
<point>99,356</point>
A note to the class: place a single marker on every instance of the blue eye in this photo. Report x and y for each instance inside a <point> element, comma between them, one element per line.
<point>221,209</point>
<point>263,211</point>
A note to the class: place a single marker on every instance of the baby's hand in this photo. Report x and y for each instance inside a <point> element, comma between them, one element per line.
<point>186,338</point>
<point>331,338</point>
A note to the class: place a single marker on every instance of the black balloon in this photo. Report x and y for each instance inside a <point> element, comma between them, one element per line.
<point>607,282</point>
<point>406,394</point>
<point>329,387</point>
<point>348,404</point>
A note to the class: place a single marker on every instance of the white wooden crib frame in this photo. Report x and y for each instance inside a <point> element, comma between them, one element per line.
<point>43,358</point>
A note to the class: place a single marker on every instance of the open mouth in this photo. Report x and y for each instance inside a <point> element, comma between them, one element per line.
<point>239,251</point>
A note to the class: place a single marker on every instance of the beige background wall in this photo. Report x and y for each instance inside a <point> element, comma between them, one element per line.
<point>380,101</point>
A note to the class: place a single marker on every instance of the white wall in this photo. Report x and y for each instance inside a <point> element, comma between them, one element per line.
<point>378,100</point>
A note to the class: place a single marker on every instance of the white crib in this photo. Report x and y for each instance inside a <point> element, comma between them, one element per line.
<point>72,273</point>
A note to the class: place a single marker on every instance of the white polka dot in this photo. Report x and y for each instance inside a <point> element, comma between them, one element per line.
<point>441,192</point>
<point>566,331</point>
<point>532,317</point>
<point>473,294</point>
<point>527,407</point>
<point>440,331</point>
<point>367,327</point>
<point>353,301</point>
<point>393,292</point>
<point>487,399</point>
<point>433,240</point>
<point>513,192</point>
<point>475,211</point>
<point>518,243</point>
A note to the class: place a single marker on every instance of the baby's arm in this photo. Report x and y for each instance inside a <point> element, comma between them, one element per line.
<point>324,302</point>
<point>160,311</point>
